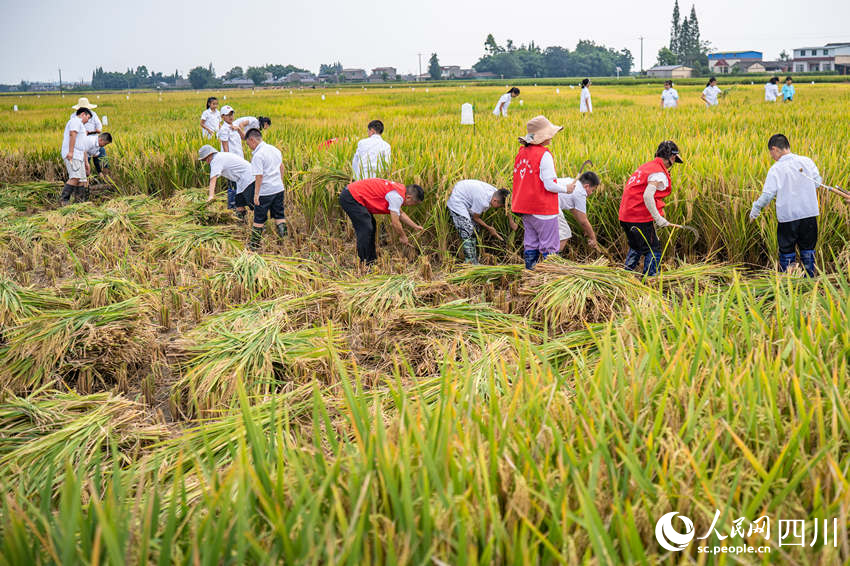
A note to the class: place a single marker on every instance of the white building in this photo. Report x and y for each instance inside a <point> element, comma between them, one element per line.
<point>829,57</point>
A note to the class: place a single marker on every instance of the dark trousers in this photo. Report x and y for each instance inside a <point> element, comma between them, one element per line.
<point>231,194</point>
<point>643,242</point>
<point>99,161</point>
<point>802,234</point>
<point>364,226</point>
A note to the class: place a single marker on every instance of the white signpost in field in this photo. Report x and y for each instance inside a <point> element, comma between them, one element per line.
<point>467,115</point>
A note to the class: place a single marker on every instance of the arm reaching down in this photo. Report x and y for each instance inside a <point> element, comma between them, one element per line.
<point>212,188</point>
<point>396,224</point>
<point>478,220</point>
<point>582,220</point>
<point>649,201</point>
<point>767,195</point>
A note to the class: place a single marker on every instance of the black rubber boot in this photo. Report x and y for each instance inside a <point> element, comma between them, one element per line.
<point>65,196</point>
<point>281,229</point>
<point>256,236</point>
<point>81,194</point>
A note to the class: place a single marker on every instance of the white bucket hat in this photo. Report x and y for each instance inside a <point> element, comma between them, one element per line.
<point>83,102</point>
<point>206,151</point>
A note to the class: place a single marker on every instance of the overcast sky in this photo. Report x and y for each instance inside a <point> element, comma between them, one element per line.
<point>43,35</point>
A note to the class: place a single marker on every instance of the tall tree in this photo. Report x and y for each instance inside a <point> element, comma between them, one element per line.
<point>675,29</point>
<point>434,67</point>
<point>234,73</point>
<point>256,74</point>
<point>490,45</point>
<point>200,77</point>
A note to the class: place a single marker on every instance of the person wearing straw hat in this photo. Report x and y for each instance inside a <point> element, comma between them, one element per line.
<point>535,191</point>
<point>234,169</point>
<point>94,128</point>
<point>643,204</point>
<point>73,154</point>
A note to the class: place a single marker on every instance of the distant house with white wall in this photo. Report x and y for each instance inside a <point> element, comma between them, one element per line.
<point>829,57</point>
<point>354,75</point>
<point>670,72</point>
<point>721,63</point>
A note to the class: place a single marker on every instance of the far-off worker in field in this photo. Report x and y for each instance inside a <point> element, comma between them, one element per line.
<point>711,92</point>
<point>771,90</point>
<point>266,198</point>
<point>501,108</point>
<point>231,142</point>
<point>669,96</point>
<point>361,200</point>
<point>585,103</point>
<point>643,203</point>
<point>373,155</point>
<point>234,169</point>
<point>93,127</point>
<point>576,203</point>
<point>468,201</point>
<point>210,119</point>
<point>535,191</point>
<point>73,154</point>
<point>796,203</point>
<point>788,90</point>
<point>92,146</point>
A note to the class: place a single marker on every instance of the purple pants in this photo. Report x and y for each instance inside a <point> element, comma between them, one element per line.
<point>541,235</point>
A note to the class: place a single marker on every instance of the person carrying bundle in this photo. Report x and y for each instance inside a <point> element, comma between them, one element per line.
<point>468,201</point>
<point>643,204</point>
<point>576,203</point>
<point>535,191</point>
<point>361,200</point>
<point>793,181</point>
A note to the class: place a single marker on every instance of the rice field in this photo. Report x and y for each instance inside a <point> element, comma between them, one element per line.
<point>171,398</point>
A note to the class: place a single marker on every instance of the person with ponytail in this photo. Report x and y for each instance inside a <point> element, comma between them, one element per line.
<point>585,105</point>
<point>210,118</point>
<point>501,108</point>
<point>710,93</point>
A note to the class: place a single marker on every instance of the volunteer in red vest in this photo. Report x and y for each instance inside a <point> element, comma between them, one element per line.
<point>361,200</point>
<point>642,208</point>
<point>535,191</point>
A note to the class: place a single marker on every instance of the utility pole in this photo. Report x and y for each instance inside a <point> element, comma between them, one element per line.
<point>418,77</point>
<point>641,54</point>
<point>60,80</point>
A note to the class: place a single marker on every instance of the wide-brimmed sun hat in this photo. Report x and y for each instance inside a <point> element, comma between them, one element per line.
<point>540,129</point>
<point>206,151</point>
<point>83,102</point>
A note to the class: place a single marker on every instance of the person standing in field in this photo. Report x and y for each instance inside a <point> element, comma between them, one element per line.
<point>93,128</point>
<point>73,154</point>
<point>585,103</point>
<point>210,119</point>
<point>788,90</point>
<point>361,200</point>
<point>710,93</point>
<point>796,203</point>
<point>468,201</point>
<point>576,203</point>
<point>501,108</point>
<point>373,155</point>
<point>771,90</point>
<point>266,198</point>
<point>669,96</point>
<point>643,204</point>
<point>234,169</point>
<point>231,142</point>
<point>92,146</point>
<point>535,191</point>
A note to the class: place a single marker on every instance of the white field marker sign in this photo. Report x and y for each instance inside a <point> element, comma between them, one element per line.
<point>557,91</point>
<point>520,102</point>
<point>105,120</point>
<point>467,116</point>
<point>15,108</point>
<point>323,97</point>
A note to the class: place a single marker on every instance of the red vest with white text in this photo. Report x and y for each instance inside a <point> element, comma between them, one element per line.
<point>632,207</point>
<point>529,195</point>
<point>372,193</point>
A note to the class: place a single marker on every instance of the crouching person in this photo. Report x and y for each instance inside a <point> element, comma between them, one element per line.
<point>234,169</point>
<point>576,203</point>
<point>266,198</point>
<point>361,200</point>
<point>92,146</point>
<point>469,200</point>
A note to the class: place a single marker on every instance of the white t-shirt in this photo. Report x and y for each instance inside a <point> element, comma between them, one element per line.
<point>265,161</point>
<point>74,125</point>
<point>247,123</point>
<point>577,200</point>
<point>93,125</point>
<point>211,119</point>
<point>394,200</point>
<point>372,158</point>
<point>506,100</point>
<point>90,145</point>
<point>796,196</point>
<point>586,105</point>
<point>669,98</point>
<point>711,93</point>
<point>232,167</point>
<point>470,196</point>
<point>771,92</point>
<point>230,134</point>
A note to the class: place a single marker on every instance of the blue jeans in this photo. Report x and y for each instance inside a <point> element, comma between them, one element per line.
<point>231,194</point>
<point>643,243</point>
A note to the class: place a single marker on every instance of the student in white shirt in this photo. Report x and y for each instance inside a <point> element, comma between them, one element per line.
<point>266,198</point>
<point>796,203</point>
<point>92,146</point>
<point>576,203</point>
<point>585,104</point>
<point>501,108</point>
<point>771,90</point>
<point>231,142</point>
<point>669,96</point>
<point>234,169</point>
<point>246,123</point>
<point>711,92</point>
<point>373,155</point>
<point>93,126</point>
<point>210,119</point>
<point>73,154</point>
<point>467,202</point>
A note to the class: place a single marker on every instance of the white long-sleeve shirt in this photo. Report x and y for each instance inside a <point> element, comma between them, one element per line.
<point>585,105</point>
<point>372,158</point>
<point>771,92</point>
<point>550,180</point>
<point>796,196</point>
